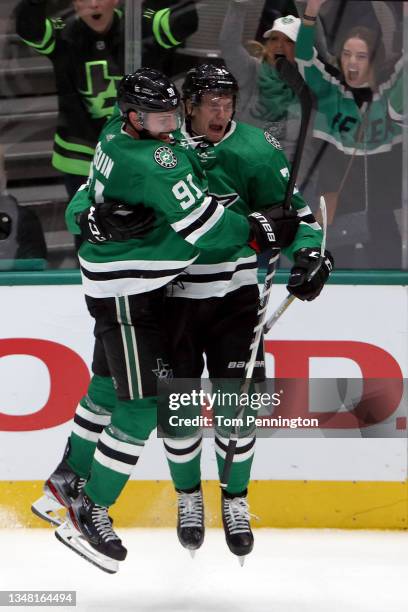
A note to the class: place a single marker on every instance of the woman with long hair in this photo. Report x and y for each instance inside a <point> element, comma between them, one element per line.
<point>359,158</point>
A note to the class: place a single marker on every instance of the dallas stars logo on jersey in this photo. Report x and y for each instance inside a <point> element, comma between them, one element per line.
<point>165,157</point>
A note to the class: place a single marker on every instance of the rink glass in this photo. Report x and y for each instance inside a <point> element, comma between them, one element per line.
<point>29,118</point>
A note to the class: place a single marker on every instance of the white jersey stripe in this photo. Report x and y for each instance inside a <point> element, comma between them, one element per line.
<point>135,350</point>
<point>238,457</point>
<point>125,349</point>
<point>85,434</point>
<point>183,443</point>
<point>215,217</point>
<point>199,291</point>
<point>182,458</point>
<point>113,464</point>
<point>122,447</point>
<point>88,415</point>
<point>133,264</point>
<point>178,226</point>
<point>314,225</point>
<point>124,286</point>
<point>226,266</point>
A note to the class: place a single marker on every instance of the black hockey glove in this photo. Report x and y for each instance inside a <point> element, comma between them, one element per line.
<point>274,228</point>
<point>307,278</point>
<point>113,221</point>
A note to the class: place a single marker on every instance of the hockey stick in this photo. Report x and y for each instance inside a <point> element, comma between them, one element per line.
<point>290,75</point>
<point>284,305</point>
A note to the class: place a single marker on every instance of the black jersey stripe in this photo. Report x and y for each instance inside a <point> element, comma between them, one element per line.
<point>217,276</point>
<point>114,275</point>
<point>209,211</point>
<point>308,219</point>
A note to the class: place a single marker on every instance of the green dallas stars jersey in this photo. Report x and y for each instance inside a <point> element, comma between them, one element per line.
<point>247,171</point>
<point>164,178</point>
<point>338,117</point>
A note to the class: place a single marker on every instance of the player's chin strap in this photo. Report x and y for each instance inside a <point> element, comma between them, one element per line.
<point>284,305</point>
<point>289,73</point>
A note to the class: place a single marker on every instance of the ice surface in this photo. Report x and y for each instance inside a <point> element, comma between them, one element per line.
<point>288,571</point>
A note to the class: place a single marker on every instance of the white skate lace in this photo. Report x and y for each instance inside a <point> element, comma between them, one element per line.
<point>80,484</point>
<point>190,509</point>
<point>236,514</point>
<point>102,523</point>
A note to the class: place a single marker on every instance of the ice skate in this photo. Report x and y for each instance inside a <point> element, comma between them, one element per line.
<point>190,524</point>
<point>88,532</point>
<point>60,490</point>
<point>237,529</point>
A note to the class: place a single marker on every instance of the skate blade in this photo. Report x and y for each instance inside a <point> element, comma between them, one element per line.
<point>69,535</point>
<point>47,508</point>
<point>241,560</point>
<point>192,552</point>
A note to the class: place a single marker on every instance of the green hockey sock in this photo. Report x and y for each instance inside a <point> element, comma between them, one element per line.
<point>183,457</point>
<point>241,465</point>
<point>92,415</point>
<point>119,448</point>
<point>114,459</point>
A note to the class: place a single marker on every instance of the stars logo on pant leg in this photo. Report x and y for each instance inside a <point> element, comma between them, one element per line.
<point>163,370</point>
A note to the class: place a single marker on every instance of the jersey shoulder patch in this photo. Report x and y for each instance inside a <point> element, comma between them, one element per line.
<point>272,140</point>
<point>165,157</point>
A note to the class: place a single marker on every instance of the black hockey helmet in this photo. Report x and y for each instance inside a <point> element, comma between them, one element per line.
<point>147,90</point>
<point>208,78</point>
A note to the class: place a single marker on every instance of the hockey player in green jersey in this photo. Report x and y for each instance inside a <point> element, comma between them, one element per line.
<point>214,310</point>
<point>124,279</point>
